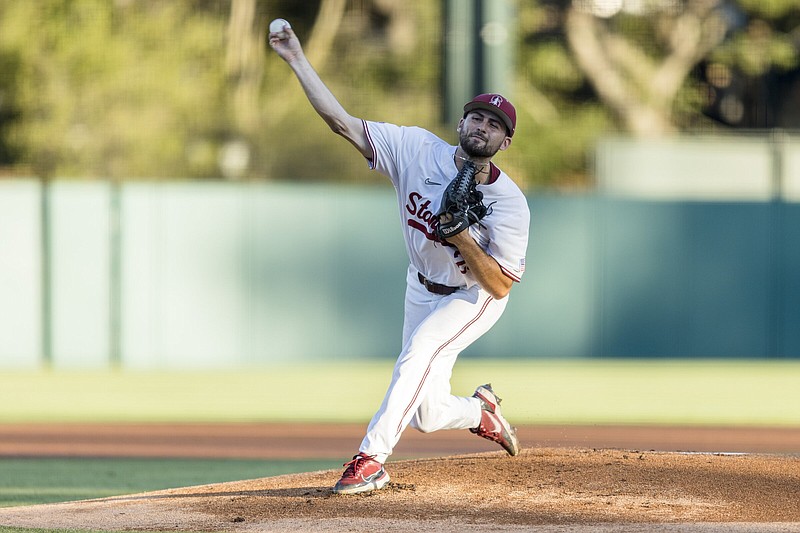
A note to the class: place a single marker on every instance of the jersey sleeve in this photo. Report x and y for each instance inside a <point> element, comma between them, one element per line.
<point>392,147</point>
<point>508,242</point>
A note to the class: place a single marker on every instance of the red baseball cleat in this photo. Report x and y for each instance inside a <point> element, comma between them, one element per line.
<point>363,474</point>
<point>493,426</point>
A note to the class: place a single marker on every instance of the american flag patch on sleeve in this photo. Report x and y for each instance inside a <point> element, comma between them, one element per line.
<point>522,265</point>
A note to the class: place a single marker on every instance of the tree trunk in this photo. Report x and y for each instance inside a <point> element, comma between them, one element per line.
<point>317,49</point>
<point>244,65</point>
<point>639,90</point>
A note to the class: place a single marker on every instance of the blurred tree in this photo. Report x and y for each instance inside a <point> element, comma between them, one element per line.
<point>638,74</point>
<point>280,96</point>
<point>9,113</point>
<point>160,89</point>
<point>559,116</point>
<point>258,106</point>
<point>115,89</point>
<point>381,60</point>
<point>591,66</point>
<point>244,64</point>
<point>753,79</point>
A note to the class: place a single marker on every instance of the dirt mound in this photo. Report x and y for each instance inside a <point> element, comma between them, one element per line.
<point>553,489</point>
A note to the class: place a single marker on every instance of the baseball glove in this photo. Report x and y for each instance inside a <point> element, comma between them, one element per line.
<point>463,201</point>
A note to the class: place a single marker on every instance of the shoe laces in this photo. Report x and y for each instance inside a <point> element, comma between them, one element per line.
<point>357,464</point>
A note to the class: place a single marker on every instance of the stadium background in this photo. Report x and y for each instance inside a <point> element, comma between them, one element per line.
<point>220,275</point>
<point>169,200</point>
<point>176,224</point>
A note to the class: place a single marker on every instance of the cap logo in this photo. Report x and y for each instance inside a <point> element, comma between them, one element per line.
<point>497,104</point>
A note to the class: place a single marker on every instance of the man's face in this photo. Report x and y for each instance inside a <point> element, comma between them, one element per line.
<point>482,134</point>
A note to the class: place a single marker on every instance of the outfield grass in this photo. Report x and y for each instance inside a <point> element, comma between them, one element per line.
<point>719,392</point>
<point>47,480</point>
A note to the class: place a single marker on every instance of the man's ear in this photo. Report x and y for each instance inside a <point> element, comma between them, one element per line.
<point>505,144</point>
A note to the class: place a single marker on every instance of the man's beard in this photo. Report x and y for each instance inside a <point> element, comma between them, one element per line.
<point>476,147</point>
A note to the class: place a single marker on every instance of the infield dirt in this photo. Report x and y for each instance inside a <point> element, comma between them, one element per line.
<point>544,489</point>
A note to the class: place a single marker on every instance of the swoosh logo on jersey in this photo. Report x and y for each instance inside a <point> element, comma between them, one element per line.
<point>429,181</point>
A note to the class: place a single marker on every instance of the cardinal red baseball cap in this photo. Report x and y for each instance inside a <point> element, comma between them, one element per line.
<point>498,105</point>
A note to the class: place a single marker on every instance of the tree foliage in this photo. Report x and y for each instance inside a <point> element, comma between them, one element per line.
<point>641,68</point>
<point>114,89</point>
<point>160,89</point>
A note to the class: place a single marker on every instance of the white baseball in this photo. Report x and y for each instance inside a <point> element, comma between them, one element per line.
<point>278,25</point>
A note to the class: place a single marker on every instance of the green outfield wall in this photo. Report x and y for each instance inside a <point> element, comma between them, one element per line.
<point>209,275</point>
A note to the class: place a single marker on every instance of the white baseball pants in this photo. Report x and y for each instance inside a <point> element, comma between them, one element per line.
<point>436,329</point>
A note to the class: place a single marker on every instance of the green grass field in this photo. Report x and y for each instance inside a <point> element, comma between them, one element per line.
<point>30,481</point>
<point>704,392</point>
<point>541,391</point>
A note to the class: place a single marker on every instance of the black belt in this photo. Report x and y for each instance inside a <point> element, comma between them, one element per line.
<point>436,288</point>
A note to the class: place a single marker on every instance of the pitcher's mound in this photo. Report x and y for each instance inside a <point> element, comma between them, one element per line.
<point>555,490</point>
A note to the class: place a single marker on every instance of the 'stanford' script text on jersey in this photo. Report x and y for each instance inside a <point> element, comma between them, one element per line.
<point>420,166</point>
<point>424,219</point>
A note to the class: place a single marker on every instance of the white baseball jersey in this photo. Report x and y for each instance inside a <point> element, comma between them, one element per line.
<point>420,166</point>
<point>437,327</point>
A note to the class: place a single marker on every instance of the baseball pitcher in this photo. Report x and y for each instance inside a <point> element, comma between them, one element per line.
<point>465,225</point>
